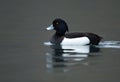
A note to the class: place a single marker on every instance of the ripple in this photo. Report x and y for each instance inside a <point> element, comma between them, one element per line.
<point>103,44</point>
<point>109,44</point>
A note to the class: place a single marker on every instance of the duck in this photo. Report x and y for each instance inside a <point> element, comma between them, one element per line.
<point>63,37</point>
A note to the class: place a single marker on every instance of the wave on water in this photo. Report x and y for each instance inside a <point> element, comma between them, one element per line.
<point>109,44</point>
<point>103,44</point>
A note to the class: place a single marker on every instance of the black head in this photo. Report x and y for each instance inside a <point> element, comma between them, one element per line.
<point>60,26</point>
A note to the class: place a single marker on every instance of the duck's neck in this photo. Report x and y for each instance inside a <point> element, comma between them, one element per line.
<point>57,38</point>
<point>59,34</point>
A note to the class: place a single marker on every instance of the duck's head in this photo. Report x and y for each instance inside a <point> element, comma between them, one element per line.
<point>59,25</point>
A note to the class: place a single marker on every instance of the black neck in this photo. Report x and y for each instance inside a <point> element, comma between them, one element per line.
<point>59,34</point>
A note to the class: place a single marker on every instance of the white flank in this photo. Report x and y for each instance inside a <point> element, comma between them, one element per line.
<point>75,41</point>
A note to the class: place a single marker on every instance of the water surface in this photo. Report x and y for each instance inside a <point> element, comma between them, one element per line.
<point>24,57</point>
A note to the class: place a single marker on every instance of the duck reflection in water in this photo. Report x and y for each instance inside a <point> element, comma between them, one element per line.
<point>65,56</point>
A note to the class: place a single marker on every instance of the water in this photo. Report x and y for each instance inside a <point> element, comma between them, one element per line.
<point>25,58</point>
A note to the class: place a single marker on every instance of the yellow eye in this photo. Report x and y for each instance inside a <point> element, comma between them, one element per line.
<point>57,23</point>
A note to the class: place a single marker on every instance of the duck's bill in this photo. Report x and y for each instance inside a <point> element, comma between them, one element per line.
<point>50,27</point>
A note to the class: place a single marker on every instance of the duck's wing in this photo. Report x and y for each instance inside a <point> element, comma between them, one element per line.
<point>75,35</point>
<point>94,38</point>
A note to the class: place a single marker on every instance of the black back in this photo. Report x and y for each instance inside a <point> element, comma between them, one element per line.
<point>94,39</point>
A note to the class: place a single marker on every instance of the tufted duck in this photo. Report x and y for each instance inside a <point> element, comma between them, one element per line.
<point>76,38</point>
